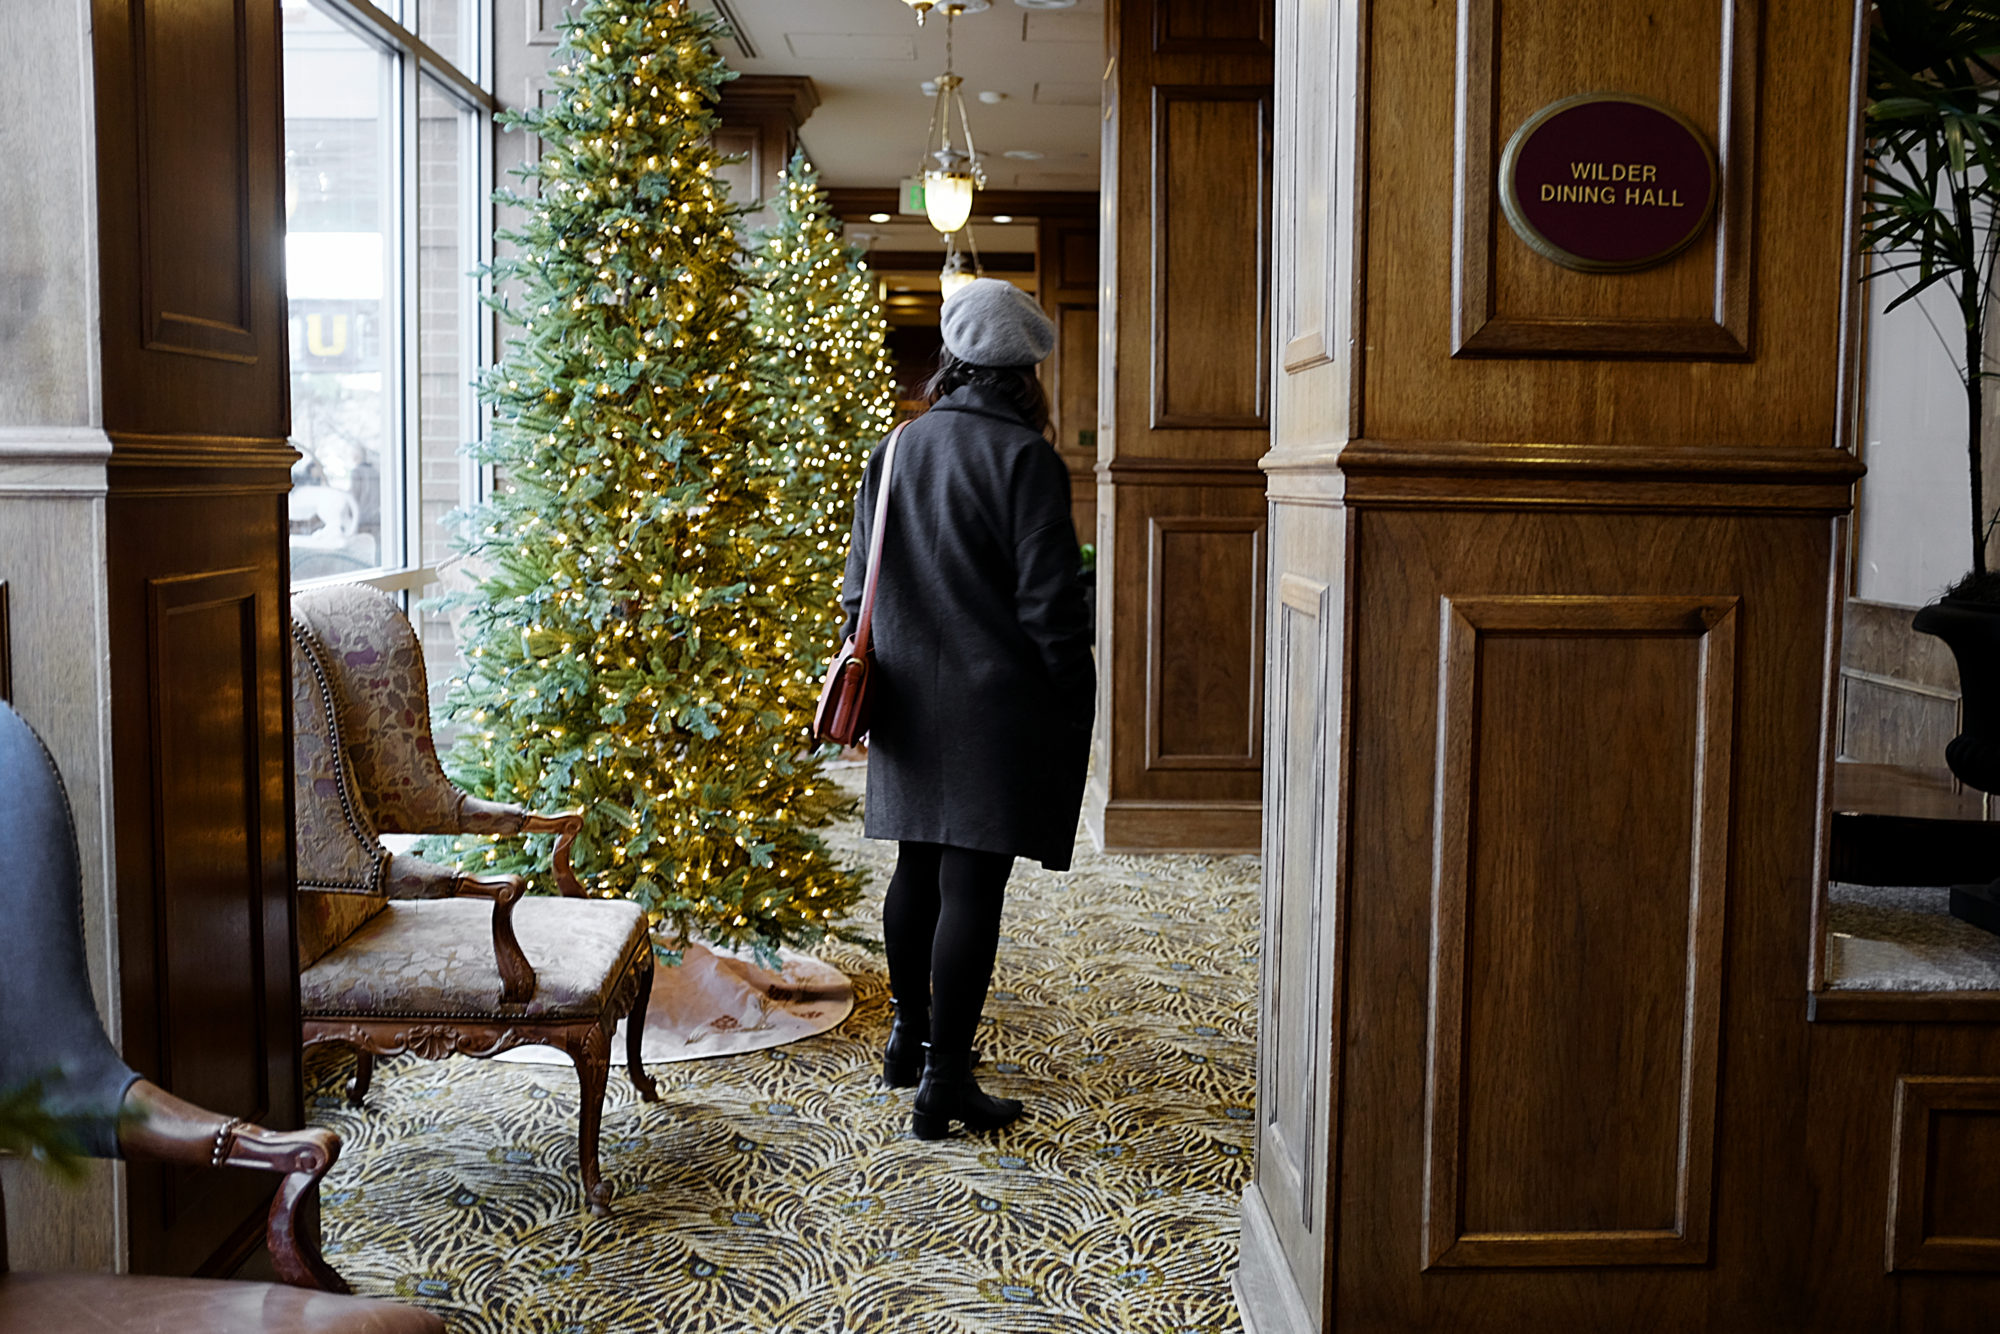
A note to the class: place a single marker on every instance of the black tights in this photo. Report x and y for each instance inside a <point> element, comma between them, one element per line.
<point>941,927</point>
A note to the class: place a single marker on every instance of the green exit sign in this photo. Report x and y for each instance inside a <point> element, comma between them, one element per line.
<point>910,197</point>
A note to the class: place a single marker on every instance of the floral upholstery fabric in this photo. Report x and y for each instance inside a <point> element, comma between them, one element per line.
<point>411,877</point>
<point>341,862</point>
<point>325,918</point>
<point>434,959</point>
<point>338,848</point>
<point>383,697</point>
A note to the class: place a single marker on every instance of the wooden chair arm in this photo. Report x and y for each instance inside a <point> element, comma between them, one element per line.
<point>517,975</point>
<point>491,817</point>
<point>159,1127</point>
<point>566,826</point>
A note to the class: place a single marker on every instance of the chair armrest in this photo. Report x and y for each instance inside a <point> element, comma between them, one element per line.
<point>156,1126</point>
<point>492,817</point>
<point>517,975</point>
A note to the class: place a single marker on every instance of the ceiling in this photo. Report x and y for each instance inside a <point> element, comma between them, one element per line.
<point>869,60</point>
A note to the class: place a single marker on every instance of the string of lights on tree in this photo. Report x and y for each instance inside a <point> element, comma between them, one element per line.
<point>630,644</point>
<point>828,394</point>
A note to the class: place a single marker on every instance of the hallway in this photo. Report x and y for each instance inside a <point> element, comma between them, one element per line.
<point>781,1191</point>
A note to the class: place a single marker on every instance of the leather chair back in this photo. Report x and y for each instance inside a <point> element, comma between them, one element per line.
<point>49,1028</point>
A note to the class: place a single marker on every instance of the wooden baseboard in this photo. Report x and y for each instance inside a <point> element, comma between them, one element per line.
<point>1124,824</point>
<point>1266,1297</point>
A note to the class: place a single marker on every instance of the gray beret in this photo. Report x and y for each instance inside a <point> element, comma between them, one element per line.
<point>989,322</point>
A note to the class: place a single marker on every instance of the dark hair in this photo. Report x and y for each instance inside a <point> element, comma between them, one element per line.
<point>1018,385</point>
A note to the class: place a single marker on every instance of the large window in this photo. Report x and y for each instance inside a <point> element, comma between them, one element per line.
<point>388,123</point>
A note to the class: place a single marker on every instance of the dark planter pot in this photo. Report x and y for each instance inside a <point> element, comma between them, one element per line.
<point>1971,630</point>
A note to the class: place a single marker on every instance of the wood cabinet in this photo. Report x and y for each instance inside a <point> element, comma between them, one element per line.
<point>1184,384</point>
<point>1555,567</point>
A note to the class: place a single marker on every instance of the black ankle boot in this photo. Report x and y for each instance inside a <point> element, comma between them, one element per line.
<point>903,1056</point>
<point>949,1093</point>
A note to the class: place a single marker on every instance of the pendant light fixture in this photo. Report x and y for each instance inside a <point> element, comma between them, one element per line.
<point>958,271</point>
<point>924,7</point>
<point>949,186</point>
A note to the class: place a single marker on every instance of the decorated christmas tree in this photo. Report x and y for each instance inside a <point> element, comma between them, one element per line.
<point>629,644</point>
<point>828,394</point>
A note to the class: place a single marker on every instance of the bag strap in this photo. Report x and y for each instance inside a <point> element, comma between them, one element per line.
<point>861,627</point>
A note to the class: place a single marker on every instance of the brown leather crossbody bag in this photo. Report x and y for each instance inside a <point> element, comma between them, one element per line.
<point>842,716</point>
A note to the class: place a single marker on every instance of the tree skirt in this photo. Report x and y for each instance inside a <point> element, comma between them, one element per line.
<point>719,1003</point>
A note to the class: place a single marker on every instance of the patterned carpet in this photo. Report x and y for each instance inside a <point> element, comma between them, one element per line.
<point>781,1190</point>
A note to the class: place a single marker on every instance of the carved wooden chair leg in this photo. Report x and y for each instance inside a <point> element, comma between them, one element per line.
<point>364,1073</point>
<point>591,1050</point>
<point>635,1034</point>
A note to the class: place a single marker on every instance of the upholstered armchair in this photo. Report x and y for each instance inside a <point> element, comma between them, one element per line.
<point>50,1034</point>
<point>402,955</point>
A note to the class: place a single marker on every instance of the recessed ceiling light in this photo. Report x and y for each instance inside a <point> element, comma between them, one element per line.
<point>1023,155</point>
<point>992,98</point>
<point>1046,4</point>
<point>1003,218</point>
<point>878,217</point>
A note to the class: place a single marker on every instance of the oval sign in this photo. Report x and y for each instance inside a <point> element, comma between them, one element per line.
<point>1607,182</point>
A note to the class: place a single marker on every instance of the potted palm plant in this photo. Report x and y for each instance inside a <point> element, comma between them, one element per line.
<point>1930,213</point>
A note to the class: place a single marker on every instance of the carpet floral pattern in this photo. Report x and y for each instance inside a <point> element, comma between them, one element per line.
<point>781,1190</point>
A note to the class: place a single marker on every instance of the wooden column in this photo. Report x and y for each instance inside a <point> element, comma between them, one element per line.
<point>1184,417</point>
<point>1066,270</point>
<point>196,401</point>
<point>761,116</point>
<point>1556,566</point>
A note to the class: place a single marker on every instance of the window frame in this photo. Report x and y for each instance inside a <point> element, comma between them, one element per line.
<point>409,566</point>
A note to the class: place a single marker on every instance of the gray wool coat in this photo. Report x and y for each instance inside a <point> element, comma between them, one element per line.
<point>979,732</point>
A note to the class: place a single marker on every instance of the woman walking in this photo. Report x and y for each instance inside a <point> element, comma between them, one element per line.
<point>984,685</point>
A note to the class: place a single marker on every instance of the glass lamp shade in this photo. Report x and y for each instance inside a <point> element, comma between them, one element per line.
<point>948,199</point>
<point>954,278</point>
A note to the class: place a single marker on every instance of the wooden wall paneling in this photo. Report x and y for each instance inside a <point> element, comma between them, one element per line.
<point>1211,187</point>
<point>761,115</point>
<point>1514,59</point>
<point>1849,1247</point>
<point>1899,700</point>
<point>1204,642</point>
<point>1580,930</point>
<point>746,174</point>
<point>191,217</point>
<point>1179,656</point>
<point>1286,1278</point>
<point>1945,1191</point>
<point>200,759</point>
<point>1193,27</point>
<point>205,734</point>
<point>1681,937</point>
<point>197,407</point>
<point>1291,1057</point>
<point>1582,853</point>
<point>1184,336</point>
<point>1785,394</point>
<point>1066,266</point>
